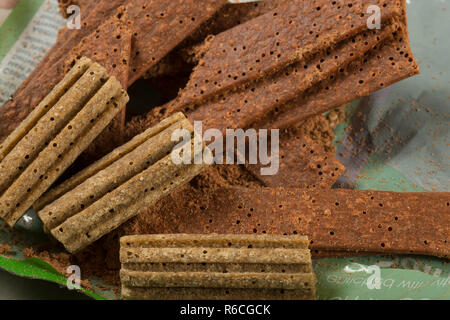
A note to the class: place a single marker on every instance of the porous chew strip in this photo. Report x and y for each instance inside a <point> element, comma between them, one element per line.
<point>272,41</point>
<point>106,161</point>
<point>123,169</point>
<point>230,266</point>
<point>45,105</point>
<point>160,25</point>
<point>334,220</point>
<point>248,107</point>
<point>389,63</point>
<point>78,147</point>
<point>231,15</point>
<point>303,163</point>
<point>43,129</point>
<point>126,201</point>
<point>215,280</point>
<point>136,293</point>
<point>242,108</point>
<point>63,149</point>
<point>213,241</point>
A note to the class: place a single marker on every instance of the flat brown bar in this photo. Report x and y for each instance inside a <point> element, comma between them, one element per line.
<point>159,26</point>
<point>388,64</point>
<point>274,40</point>
<point>334,220</point>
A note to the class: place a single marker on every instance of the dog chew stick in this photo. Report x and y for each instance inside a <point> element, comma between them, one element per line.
<point>62,127</point>
<point>133,158</point>
<point>109,198</point>
<point>107,160</point>
<point>241,108</point>
<point>391,62</point>
<point>161,25</point>
<point>266,44</point>
<point>334,220</point>
<point>49,71</point>
<point>242,267</point>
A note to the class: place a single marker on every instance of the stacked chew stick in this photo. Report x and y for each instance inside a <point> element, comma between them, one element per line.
<point>272,64</point>
<point>233,267</point>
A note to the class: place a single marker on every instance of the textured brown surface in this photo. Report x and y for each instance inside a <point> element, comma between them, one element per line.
<point>106,161</point>
<point>113,195</point>
<point>63,126</point>
<point>303,164</point>
<point>242,108</point>
<point>177,264</point>
<point>272,41</point>
<point>85,5</point>
<point>151,149</point>
<point>49,71</point>
<point>390,63</point>
<point>160,25</point>
<point>231,15</point>
<point>110,46</point>
<point>336,220</point>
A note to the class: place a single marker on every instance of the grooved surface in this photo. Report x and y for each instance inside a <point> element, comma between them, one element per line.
<point>87,103</point>
<point>199,266</point>
<point>116,187</point>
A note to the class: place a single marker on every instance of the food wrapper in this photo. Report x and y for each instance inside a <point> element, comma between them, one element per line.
<point>399,136</point>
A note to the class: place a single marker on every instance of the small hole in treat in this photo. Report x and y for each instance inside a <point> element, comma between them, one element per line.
<point>383,245</point>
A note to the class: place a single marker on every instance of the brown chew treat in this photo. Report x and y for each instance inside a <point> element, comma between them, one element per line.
<point>303,164</point>
<point>107,160</point>
<point>160,25</point>
<point>112,194</point>
<point>209,267</point>
<point>231,15</point>
<point>110,46</point>
<point>390,63</point>
<point>244,107</point>
<point>270,42</point>
<point>50,70</point>
<point>336,220</point>
<point>55,133</point>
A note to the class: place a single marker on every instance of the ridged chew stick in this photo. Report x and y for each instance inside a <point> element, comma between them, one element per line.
<point>61,127</point>
<point>115,188</point>
<point>107,160</point>
<point>106,50</point>
<point>190,266</point>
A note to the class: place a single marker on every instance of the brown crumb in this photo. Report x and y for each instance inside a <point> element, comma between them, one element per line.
<point>5,248</point>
